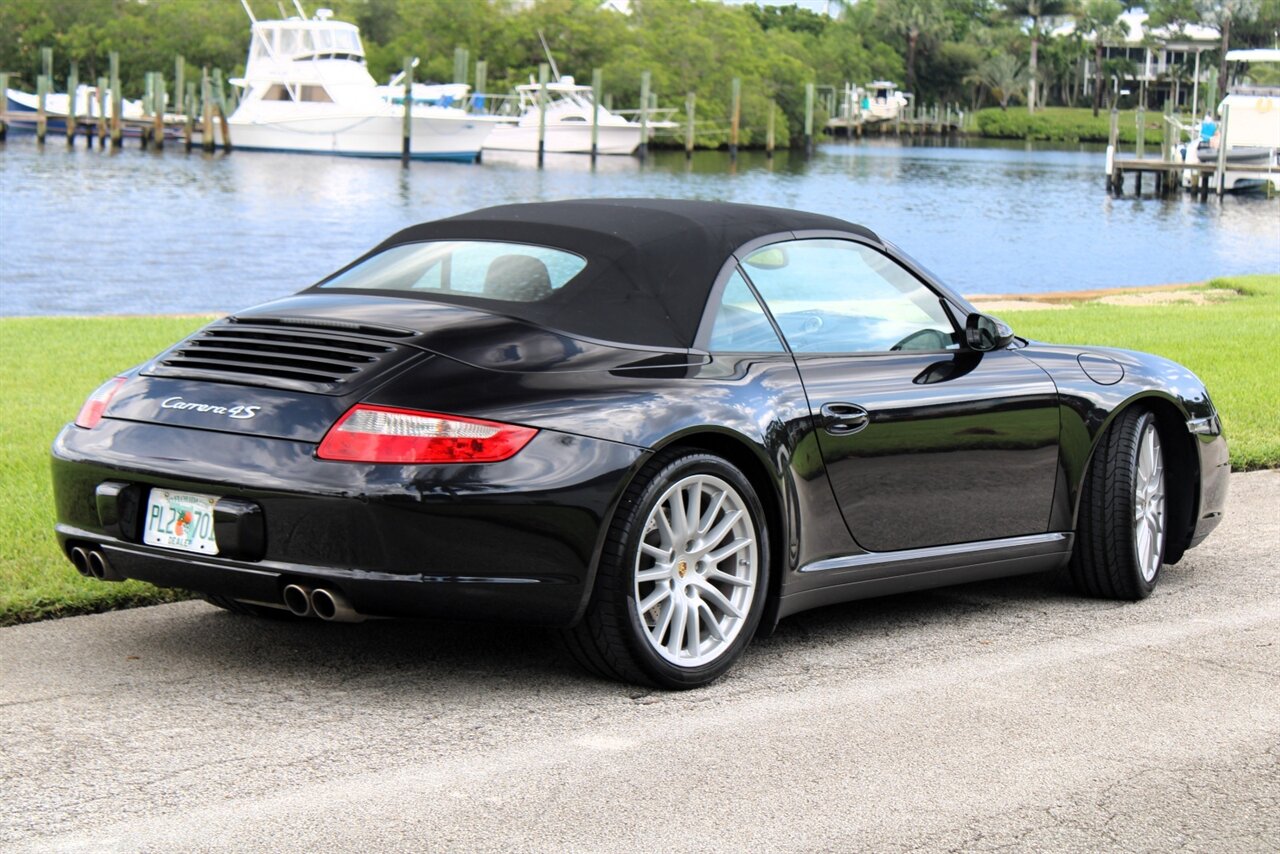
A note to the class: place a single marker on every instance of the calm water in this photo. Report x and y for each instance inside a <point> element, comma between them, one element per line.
<point>132,232</point>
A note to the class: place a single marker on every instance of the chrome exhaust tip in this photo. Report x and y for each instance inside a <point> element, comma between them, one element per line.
<point>80,560</point>
<point>100,567</point>
<point>298,600</point>
<point>334,607</point>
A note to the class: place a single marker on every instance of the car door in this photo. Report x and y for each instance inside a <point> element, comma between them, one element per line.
<point>925,442</point>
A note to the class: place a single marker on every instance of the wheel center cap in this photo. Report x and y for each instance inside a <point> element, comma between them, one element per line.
<point>681,568</point>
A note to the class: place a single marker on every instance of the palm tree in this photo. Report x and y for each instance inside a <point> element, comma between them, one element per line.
<point>1220,14</point>
<point>1002,75</point>
<point>1036,10</point>
<point>923,22</point>
<point>1102,19</point>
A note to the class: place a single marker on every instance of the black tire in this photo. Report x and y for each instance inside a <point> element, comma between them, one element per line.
<point>614,640</point>
<point>1106,561</point>
<point>235,606</point>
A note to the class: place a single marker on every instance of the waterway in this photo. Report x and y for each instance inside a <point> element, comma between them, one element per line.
<point>131,232</point>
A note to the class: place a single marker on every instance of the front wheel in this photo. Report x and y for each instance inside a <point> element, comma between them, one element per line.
<point>1120,535</point>
<point>683,577</point>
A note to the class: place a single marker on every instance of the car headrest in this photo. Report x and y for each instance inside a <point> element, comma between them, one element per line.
<point>517,278</point>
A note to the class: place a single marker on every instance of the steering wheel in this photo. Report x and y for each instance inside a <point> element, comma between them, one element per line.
<point>924,339</point>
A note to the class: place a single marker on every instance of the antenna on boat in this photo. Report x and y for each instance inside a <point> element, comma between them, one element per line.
<point>248,11</point>
<point>297,5</point>
<point>551,59</point>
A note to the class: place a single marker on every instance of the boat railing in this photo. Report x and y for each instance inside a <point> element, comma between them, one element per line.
<point>1254,90</point>
<point>658,118</point>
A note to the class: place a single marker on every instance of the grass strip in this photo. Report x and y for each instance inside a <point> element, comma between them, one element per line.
<point>48,366</point>
<point>1229,335</point>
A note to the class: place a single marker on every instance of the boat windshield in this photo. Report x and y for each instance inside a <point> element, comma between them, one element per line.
<point>507,272</point>
<point>274,40</point>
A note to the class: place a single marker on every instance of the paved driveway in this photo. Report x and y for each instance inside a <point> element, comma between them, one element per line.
<point>1002,714</point>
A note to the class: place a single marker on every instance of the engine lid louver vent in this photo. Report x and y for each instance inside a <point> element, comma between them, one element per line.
<point>320,356</point>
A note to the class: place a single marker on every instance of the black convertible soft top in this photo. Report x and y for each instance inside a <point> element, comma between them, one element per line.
<point>651,263</point>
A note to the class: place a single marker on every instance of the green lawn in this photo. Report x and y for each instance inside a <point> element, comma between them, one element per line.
<point>1232,343</point>
<point>49,365</point>
<point>1068,124</point>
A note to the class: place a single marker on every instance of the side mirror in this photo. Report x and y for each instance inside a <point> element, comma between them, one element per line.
<point>983,332</point>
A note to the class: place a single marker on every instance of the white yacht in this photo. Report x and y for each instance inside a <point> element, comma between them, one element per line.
<point>569,107</point>
<point>306,89</point>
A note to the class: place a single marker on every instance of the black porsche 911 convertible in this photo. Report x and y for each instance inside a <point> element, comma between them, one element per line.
<point>661,425</point>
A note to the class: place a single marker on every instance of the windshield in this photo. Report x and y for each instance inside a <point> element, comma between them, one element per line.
<point>506,272</point>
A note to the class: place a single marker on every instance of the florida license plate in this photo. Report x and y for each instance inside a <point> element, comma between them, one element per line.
<point>181,520</point>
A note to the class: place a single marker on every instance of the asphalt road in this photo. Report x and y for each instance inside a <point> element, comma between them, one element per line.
<point>997,715</point>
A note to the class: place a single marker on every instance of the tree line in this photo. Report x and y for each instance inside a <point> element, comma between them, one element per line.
<point>968,52</point>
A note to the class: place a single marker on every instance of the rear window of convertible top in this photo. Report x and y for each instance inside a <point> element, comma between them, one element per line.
<point>507,272</point>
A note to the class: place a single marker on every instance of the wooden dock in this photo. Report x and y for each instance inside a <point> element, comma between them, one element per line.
<point>188,114</point>
<point>1168,174</point>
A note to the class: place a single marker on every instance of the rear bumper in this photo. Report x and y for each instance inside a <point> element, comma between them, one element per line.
<point>515,540</point>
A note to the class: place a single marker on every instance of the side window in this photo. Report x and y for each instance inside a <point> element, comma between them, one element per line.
<point>741,325</point>
<point>838,296</point>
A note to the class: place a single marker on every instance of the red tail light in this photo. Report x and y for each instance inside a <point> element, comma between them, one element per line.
<point>91,412</point>
<point>383,434</point>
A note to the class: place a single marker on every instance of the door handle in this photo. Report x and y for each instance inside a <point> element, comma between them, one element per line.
<point>843,419</point>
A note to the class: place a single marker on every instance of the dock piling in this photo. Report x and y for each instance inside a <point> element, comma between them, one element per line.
<point>690,103</point>
<point>406,129</point>
<point>482,78</point>
<point>544,72</point>
<point>809,92</point>
<point>189,109</point>
<point>102,93</point>
<point>73,83</point>
<point>42,90</point>
<point>46,64</point>
<point>220,104</point>
<point>1221,172</point>
<point>158,98</point>
<point>597,83</point>
<point>206,111</point>
<point>1142,131</point>
<point>116,98</point>
<point>735,119</point>
<point>643,150</point>
<point>179,80</point>
<point>461,59</point>
<point>144,132</point>
<point>1113,139</point>
<point>4,91</point>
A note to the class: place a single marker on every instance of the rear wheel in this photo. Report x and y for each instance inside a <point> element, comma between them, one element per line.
<point>1120,535</point>
<point>683,576</point>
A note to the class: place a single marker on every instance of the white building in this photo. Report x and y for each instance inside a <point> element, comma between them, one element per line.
<point>1154,53</point>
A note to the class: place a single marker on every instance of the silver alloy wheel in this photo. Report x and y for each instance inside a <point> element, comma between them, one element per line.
<point>696,570</point>
<point>1148,504</point>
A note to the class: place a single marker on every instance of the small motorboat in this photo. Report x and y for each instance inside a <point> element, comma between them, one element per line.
<point>570,110</point>
<point>22,108</point>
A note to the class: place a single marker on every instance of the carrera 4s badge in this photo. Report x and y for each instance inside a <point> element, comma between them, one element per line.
<point>238,411</point>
